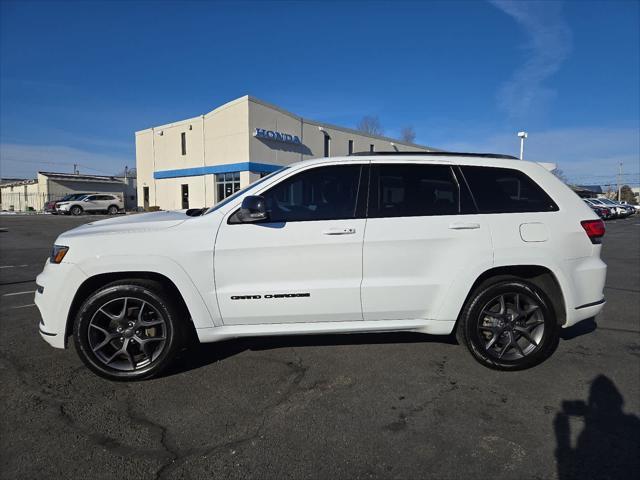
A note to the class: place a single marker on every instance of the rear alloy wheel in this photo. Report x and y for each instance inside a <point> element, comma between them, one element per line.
<point>76,210</point>
<point>509,325</point>
<point>128,330</point>
<point>112,210</point>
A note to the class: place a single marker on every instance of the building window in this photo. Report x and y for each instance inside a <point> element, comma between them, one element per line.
<point>350,147</point>
<point>227,184</point>
<point>185,195</point>
<point>327,145</point>
<point>183,142</point>
<point>371,148</point>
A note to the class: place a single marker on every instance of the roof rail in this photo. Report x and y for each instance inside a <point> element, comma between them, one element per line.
<point>436,154</point>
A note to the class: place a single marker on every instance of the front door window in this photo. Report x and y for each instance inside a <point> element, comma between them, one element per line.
<point>326,193</point>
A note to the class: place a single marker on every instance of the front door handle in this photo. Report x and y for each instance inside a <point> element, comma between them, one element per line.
<point>464,226</point>
<point>339,231</point>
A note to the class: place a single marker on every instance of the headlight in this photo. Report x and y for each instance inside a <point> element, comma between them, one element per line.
<point>57,253</point>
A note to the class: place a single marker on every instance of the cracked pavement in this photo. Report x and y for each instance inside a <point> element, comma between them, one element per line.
<point>350,406</point>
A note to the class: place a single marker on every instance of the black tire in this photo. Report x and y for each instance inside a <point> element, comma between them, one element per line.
<point>76,210</point>
<point>144,355</point>
<point>112,210</point>
<point>493,330</point>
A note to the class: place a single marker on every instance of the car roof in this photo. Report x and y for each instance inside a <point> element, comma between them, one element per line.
<point>458,158</point>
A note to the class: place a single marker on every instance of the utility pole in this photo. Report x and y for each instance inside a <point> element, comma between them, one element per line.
<point>619,180</point>
<point>522,136</point>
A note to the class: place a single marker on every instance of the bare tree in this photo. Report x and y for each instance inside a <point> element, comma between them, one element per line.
<point>408,134</point>
<point>370,124</point>
<point>127,172</point>
<point>560,174</point>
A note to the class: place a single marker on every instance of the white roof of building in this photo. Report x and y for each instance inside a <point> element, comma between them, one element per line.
<point>13,182</point>
<point>70,177</point>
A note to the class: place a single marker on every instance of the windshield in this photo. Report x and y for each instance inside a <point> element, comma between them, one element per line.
<point>242,191</point>
<point>72,196</point>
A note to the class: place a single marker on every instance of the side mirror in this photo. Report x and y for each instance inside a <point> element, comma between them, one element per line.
<point>85,200</point>
<point>253,209</point>
<point>195,212</point>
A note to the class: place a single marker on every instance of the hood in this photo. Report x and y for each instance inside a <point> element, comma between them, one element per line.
<point>131,223</point>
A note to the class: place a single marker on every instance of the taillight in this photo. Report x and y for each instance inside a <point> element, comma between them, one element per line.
<point>594,229</point>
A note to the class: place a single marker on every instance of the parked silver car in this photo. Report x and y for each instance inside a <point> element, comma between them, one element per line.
<point>102,202</point>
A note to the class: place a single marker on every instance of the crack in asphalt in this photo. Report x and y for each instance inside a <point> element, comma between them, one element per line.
<point>405,416</point>
<point>59,405</point>
<point>179,458</point>
<point>169,454</point>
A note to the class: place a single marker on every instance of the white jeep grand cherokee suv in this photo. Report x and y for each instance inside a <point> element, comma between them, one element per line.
<point>496,249</point>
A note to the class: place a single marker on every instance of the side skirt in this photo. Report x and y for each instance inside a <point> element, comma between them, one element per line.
<point>225,332</point>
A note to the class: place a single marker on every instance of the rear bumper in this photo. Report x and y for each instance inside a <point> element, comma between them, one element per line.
<point>587,277</point>
<point>57,286</point>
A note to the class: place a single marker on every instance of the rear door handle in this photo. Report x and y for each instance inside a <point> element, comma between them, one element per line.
<point>464,226</point>
<point>339,231</point>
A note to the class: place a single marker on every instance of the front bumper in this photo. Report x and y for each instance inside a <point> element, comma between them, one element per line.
<point>56,289</point>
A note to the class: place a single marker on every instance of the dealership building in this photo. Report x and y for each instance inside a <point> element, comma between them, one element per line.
<point>199,161</point>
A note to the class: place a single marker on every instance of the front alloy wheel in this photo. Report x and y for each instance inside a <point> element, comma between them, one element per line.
<point>129,330</point>
<point>127,333</point>
<point>509,325</point>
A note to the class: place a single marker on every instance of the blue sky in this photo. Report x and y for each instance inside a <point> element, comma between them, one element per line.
<point>77,79</point>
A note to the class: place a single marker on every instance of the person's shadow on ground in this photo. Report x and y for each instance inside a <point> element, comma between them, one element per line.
<point>609,445</point>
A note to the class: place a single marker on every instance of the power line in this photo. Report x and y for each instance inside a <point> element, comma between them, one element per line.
<point>45,162</point>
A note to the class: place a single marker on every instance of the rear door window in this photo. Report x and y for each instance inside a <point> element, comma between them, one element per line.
<point>413,190</point>
<point>505,190</point>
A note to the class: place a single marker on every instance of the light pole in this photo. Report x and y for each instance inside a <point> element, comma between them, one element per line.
<point>522,136</point>
<point>619,180</point>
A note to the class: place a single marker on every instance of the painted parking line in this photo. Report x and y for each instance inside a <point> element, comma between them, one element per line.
<point>23,306</point>
<point>18,293</point>
<point>14,266</point>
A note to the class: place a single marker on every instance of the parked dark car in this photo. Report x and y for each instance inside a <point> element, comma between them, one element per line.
<point>603,212</point>
<point>50,207</point>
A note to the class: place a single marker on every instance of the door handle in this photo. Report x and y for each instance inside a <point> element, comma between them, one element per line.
<point>464,226</point>
<point>339,231</point>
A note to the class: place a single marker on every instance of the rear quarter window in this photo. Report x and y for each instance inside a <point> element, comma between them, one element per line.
<point>506,190</point>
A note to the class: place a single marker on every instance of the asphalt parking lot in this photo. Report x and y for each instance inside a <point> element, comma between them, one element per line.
<point>351,406</point>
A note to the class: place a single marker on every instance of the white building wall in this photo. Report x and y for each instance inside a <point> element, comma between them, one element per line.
<point>268,151</point>
<point>223,141</point>
<point>21,198</point>
<point>145,165</point>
